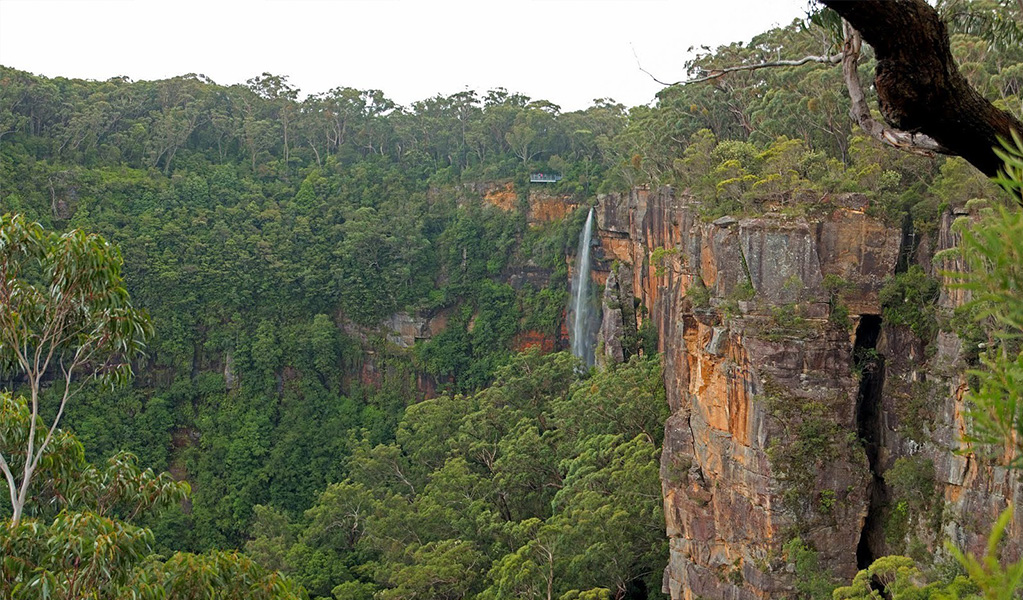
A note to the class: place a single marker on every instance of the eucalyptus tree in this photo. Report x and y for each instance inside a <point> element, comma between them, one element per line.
<point>928,103</point>
<point>65,318</point>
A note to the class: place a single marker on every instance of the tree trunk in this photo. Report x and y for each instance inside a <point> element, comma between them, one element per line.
<point>920,88</point>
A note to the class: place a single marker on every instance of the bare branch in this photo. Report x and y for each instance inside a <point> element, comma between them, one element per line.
<point>915,143</point>
<point>78,359</point>
<point>12,487</point>
<point>716,73</point>
<point>859,110</point>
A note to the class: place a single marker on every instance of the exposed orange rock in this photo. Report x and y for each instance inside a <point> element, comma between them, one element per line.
<point>503,197</point>
<point>533,339</point>
<point>616,247</point>
<point>545,207</point>
<point>735,389</point>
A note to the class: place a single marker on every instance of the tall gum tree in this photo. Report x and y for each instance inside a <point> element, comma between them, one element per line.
<point>65,318</point>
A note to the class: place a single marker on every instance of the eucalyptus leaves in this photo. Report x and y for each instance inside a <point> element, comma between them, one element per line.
<point>65,318</point>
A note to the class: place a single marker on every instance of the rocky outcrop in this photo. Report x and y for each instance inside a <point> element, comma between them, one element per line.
<point>618,318</point>
<point>546,207</point>
<point>776,429</point>
<point>535,339</point>
<point>401,329</point>
<point>502,196</point>
<point>923,420</point>
<point>542,206</point>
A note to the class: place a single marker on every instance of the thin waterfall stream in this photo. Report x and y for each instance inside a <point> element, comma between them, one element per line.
<point>583,332</point>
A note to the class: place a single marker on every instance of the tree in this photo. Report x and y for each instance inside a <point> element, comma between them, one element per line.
<point>920,88</point>
<point>281,96</point>
<point>65,314</point>
<point>66,319</point>
<point>83,540</point>
<point>992,251</point>
<point>923,95</point>
<point>73,544</point>
<point>529,572</point>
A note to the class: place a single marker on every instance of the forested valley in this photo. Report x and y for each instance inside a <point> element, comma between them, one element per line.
<point>276,238</point>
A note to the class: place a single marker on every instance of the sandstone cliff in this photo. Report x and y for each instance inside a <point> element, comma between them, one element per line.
<point>786,413</point>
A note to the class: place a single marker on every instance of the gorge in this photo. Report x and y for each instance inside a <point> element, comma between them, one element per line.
<point>730,351</point>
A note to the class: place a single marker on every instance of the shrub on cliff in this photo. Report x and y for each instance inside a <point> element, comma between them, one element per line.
<point>907,299</point>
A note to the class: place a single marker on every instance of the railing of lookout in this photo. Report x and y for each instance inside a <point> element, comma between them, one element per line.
<point>544,178</point>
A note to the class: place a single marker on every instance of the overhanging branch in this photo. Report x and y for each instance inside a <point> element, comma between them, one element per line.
<point>915,143</point>
<point>919,86</point>
<point>927,103</point>
<point>859,110</point>
<point>716,73</point>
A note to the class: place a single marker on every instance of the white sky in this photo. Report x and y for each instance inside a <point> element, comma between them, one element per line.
<point>565,51</point>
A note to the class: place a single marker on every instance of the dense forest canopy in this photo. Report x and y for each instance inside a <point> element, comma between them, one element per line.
<point>269,234</point>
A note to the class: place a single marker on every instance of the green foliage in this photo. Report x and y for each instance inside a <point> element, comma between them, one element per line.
<point>992,250</point>
<point>900,579</point>
<point>1010,177</point>
<point>812,582</point>
<point>64,308</point>
<point>997,414</point>
<point>543,310</point>
<point>786,323</point>
<point>838,313</point>
<point>80,537</point>
<point>77,553</point>
<point>987,573</point>
<point>914,407</point>
<point>743,291</point>
<point>216,575</point>
<point>648,335</point>
<point>659,257</point>
<point>477,338</point>
<point>811,438</point>
<point>911,482</point>
<point>545,481</point>
<point>698,294</point>
<point>999,27</point>
<point>907,299</point>
<point>628,398</point>
<point>969,328</point>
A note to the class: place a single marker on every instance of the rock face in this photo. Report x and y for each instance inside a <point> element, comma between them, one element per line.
<point>545,207</point>
<point>501,196</point>
<point>618,317</point>
<point>773,432</point>
<point>542,206</point>
<point>922,419</point>
<point>403,329</point>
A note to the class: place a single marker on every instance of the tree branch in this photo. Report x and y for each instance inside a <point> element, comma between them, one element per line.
<point>919,87</point>
<point>716,73</point>
<point>12,486</point>
<point>859,110</point>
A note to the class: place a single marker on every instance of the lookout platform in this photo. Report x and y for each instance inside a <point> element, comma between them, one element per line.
<point>544,178</point>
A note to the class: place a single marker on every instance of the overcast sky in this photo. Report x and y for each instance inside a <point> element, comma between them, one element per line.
<point>565,51</point>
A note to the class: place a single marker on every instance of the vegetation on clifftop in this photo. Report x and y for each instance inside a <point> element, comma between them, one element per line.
<point>269,236</point>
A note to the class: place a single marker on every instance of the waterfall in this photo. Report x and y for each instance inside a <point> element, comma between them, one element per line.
<point>582,333</point>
